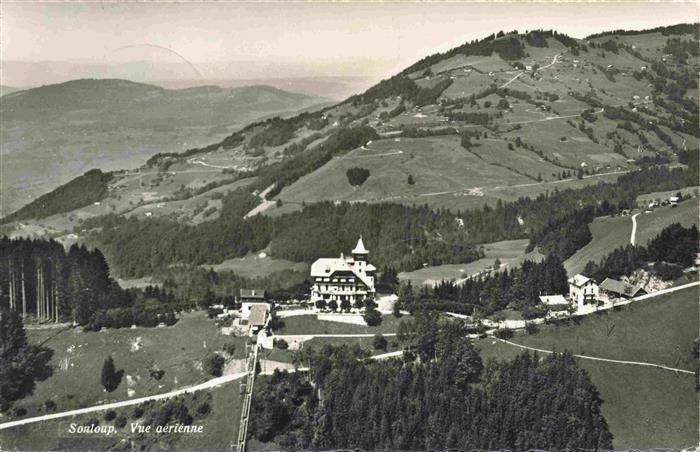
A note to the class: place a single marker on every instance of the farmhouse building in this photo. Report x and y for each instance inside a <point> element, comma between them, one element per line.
<point>619,289</point>
<point>343,278</point>
<point>582,290</point>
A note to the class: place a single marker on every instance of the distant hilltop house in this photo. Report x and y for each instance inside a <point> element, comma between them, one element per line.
<point>620,289</point>
<point>582,290</point>
<point>344,278</point>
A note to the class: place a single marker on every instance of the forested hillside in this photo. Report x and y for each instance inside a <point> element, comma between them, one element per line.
<point>82,191</point>
<point>673,250</point>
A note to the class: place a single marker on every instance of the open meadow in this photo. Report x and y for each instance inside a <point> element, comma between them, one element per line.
<point>645,407</point>
<point>77,361</point>
<point>511,253</point>
<point>219,427</point>
<point>613,232</point>
<point>258,265</point>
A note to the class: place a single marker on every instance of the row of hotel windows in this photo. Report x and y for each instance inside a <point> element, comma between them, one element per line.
<point>335,280</point>
<point>349,289</point>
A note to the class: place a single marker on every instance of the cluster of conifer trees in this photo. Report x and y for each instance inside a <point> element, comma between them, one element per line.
<point>518,288</point>
<point>675,245</point>
<point>41,281</point>
<point>439,396</point>
<point>21,364</point>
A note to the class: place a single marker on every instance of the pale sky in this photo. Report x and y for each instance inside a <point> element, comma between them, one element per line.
<point>243,40</point>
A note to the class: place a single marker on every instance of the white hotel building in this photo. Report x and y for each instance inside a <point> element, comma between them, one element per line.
<point>344,278</point>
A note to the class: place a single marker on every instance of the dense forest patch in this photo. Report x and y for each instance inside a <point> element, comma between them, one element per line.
<point>439,396</point>
<point>46,283</point>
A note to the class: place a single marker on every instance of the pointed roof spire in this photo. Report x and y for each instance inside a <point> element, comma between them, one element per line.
<point>360,247</point>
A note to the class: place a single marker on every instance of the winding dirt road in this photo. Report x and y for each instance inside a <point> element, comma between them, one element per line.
<point>633,236</point>
<point>554,60</point>
<point>595,358</point>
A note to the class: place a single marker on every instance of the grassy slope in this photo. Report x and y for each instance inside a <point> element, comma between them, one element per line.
<point>644,407</point>
<point>643,200</point>
<point>470,75</point>
<point>177,350</point>
<point>510,252</point>
<point>253,266</point>
<point>220,429</point>
<point>612,232</point>
<point>437,164</point>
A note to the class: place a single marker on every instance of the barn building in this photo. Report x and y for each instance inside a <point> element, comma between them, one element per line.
<point>620,289</point>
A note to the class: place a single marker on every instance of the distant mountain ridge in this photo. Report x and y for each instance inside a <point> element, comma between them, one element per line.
<point>4,89</point>
<point>537,110</point>
<point>53,133</point>
<point>83,92</point>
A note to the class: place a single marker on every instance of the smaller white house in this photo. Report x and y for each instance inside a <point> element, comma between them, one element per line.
<point>582,290</point>
<point>554,302</point>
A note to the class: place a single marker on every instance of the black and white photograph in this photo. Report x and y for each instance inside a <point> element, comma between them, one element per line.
<point>349,225</point>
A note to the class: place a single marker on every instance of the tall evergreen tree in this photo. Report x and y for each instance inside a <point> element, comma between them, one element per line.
<point>21,364</point>
<point>110,378</point>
